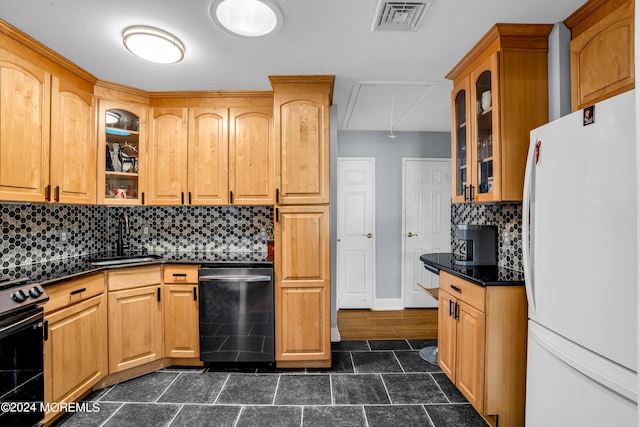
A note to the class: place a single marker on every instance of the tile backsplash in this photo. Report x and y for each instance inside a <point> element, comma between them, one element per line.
<point>30,232</point>
<point>508,218</point>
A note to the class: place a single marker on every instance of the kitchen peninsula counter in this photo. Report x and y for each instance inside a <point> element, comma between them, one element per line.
<point>483,275</point>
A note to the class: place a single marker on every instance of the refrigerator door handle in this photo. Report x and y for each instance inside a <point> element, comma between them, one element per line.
<point>527,227</point>
<point>614,377</point>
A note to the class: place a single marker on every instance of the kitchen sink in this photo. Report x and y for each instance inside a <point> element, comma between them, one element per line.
<point>125,259</point>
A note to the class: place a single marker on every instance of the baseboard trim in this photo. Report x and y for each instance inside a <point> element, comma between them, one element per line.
<point>335,335</point>
<point>388,304</point>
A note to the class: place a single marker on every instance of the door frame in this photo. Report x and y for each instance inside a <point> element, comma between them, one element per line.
<point>372,291</point>
<point>404,224</point>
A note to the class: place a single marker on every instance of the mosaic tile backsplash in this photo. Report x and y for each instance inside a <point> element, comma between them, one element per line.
<point>30,232</point>
<point>508,218</point>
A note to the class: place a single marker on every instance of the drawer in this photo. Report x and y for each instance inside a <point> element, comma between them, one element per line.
<point>73,291</point>
<point>128,278</point>
<point>178,274</point>
<point>463,290</point>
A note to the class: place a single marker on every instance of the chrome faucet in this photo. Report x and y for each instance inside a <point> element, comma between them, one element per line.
<point>123,233</point>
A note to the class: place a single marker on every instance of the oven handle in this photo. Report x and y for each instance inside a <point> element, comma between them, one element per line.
<point>15,326</point>
<point>241,278</point>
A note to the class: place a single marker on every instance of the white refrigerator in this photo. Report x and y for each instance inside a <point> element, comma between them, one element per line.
<point>580,257</point>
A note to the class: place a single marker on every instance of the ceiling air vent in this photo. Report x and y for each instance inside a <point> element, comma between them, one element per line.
<point>399,15</point>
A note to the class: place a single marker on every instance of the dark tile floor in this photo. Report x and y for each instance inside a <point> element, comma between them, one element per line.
<point>371,383</point>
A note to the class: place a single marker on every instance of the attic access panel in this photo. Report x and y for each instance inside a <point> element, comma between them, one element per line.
<point>370,104</point>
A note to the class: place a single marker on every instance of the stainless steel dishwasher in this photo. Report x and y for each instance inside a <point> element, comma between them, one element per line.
<point>236,314</point>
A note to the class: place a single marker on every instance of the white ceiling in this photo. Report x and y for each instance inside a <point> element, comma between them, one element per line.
<point>318,37</point>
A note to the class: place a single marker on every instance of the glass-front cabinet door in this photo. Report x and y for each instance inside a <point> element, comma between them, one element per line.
<point>121,154</point>
<point>485,132</point>
<point>461,154</point>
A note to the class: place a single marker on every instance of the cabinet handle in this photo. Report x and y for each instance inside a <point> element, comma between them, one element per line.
<point>182,198</point>
<point>189,197</point>
<point>457,312</point>
<point>471,193</point>
<point>277,215</point>
<point>195,294</point>
<point>465,193</point>
<point>231,197</point>
<point>77,291</point>
<point>56,194</point>
<point>143,197</point>
<point>47,193</point>
<point>455,288</point>
<point>277,195</point>
<point>158,294</point>
<point>45,330</point>
<point>179,274</point>
<point>450,308</point>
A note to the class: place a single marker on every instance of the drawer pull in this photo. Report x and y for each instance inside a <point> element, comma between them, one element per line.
<point>455,288</point>
<point>457,312</point>
<point>450,308</point>
<point>182,276</point>
<point>77,291</point>
<point>195,294</point>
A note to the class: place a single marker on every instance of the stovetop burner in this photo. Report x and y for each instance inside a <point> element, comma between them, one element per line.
<point>18,294</point>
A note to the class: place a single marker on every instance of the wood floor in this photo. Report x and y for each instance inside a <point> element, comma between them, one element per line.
<point>411,323</point>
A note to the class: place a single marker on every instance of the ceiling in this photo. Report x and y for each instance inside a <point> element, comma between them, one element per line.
<point>383,80</point>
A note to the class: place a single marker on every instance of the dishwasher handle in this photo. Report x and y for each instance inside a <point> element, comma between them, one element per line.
<point>235,278</point>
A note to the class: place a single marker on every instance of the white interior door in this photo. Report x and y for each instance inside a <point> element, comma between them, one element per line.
<point>355,233</point>
<point>426,224</point>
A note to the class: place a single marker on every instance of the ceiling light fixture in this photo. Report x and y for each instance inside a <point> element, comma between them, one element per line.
<point>153,44</point>
<point>246,18</point>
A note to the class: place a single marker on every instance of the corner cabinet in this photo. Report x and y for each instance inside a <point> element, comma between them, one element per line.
<point>499,95</point>
<point>121,153</point>
<point>602,51</point>
<point>482,346</point>
<point>135,317</point>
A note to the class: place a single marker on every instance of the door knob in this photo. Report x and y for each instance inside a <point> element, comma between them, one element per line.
<point>369,235</point>
<point>410,234</point>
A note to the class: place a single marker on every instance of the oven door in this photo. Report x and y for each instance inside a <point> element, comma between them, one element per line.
<point>21,368</point>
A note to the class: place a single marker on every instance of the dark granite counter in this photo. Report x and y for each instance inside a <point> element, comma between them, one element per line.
<point>54,271</point>
<point>483,275</point>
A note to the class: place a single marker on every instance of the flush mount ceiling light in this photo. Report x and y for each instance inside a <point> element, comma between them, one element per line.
<point>246,18</point>
<point>153,44</point>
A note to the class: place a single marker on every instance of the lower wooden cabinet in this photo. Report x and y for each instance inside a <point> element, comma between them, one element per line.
<point>482,336</point>
<point>75,351</point>
<point>135,318</point>
<point>302,288</point>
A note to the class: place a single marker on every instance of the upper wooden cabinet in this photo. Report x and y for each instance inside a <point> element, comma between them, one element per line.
<point>25,101</point>
<point>602,51</point>
<point>208,153</point>
<point>73,143</point>
<point>167,157</point>
<point>122,162</point>
<point>212,154</point>
<point>251,156</point>
<point>499,95</point>
<point>301,117</point>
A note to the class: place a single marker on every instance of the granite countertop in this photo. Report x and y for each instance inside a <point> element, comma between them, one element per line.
<point>50,272</point>
<point>483,275</point>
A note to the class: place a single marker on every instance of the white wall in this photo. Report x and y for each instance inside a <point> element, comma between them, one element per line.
<point>388,178</point>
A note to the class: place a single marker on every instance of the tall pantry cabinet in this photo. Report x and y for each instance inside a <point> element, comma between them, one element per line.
<point>302,256</point>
